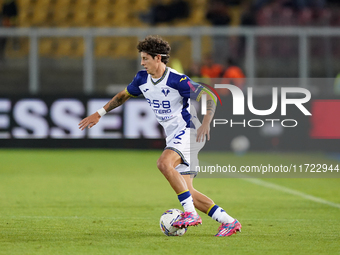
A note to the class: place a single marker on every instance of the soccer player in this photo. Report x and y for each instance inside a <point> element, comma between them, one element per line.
<point>168,94</point>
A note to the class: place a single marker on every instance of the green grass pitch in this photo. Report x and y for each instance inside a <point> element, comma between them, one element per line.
<point>110,202</point>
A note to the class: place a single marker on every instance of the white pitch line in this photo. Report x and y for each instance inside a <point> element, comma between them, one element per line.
<point>282,188</point>
<point>291,191</point>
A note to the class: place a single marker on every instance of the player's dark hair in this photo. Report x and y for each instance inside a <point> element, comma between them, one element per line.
<point>154,45</point>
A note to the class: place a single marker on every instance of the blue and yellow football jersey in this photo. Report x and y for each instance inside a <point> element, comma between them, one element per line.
<point>169,97</point>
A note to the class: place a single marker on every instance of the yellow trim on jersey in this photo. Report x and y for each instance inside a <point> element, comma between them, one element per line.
<point>182,79</point>
<point>160,79</point>
<point>210,208</point>
<point>198,98</point>
<point>182,192</point>
<point>129,93</point>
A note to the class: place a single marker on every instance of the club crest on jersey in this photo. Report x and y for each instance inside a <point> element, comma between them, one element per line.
<point>165,91</point>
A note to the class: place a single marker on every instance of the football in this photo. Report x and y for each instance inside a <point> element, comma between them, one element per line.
<point>169,217</point>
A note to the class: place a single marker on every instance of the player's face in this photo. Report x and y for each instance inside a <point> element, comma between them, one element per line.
<point>149,63</point>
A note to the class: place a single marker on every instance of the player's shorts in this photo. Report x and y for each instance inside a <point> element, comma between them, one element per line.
<point>184,143</point>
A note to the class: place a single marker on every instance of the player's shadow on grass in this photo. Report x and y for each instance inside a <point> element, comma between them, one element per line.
<point>141,234</point>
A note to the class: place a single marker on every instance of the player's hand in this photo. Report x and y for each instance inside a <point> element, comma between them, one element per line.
<point>202,132</point>
<point>89,121</point>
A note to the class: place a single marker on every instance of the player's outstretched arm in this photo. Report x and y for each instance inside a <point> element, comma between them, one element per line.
<point>204,129</point>
<point>93,119</point>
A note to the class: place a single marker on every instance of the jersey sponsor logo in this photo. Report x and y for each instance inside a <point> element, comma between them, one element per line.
<point>182,79</point>
<point>165,91</point>
<point>161,111</point>
<point>165,104</point>
<point>166,117</point>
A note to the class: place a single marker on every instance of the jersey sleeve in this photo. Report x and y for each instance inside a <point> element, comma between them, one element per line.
<point>133,88</point>
<point>189,89</point>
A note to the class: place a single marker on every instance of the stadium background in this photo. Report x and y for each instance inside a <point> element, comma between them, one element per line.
<point>61,60</point>
<point>40,65</point>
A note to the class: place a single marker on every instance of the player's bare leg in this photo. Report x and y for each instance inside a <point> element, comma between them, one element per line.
<point>166,164</point>
<point>203,203</point>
